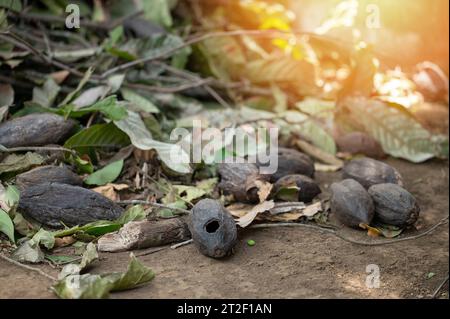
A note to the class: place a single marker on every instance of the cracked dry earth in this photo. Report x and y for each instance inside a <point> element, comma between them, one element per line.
<point>291,262</point>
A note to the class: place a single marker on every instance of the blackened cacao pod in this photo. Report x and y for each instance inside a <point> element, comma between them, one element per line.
<point>394,205</point>
<point>51,204</point>
<point>237,179</point>
<point>291,162</point>
<point>35,130</point>
<point>48,174</point>
<point>307,188</point>
<point>213,229</point>
<point>369,172</point>
<point>351,203</point>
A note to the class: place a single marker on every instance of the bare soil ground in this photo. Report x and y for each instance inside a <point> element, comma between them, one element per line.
<point>294,262</point>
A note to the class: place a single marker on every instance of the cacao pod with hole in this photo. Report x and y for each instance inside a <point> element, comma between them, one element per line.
<point>296,188</point>
<point>394,205</point>
<point>370,172</point>
<point>351,203</point>
<point>213,228</point>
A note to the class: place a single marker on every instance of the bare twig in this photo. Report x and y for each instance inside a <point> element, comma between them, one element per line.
<point>184,243</point>
<point>157,205</point>
<point>152,251</point>
<point>333,232</point>
<point>175,89</point>
<point>16,263</point>
<point>200,38</point>
<point>438,289</point>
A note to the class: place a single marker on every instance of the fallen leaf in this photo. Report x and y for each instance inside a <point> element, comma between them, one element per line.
<point>90,286</point>
<point>248,218</point>
<point>28,252</point>
<point>16,163</point>
<point>89,256</point>
<point>60,76</point>
<point>110,190</point>
<point>64,241</point>
<point>6,225</point>
<point>107,174</point>
<point>264,190</point>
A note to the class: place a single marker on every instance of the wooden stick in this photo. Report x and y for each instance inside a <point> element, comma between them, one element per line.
<point>145,234</point>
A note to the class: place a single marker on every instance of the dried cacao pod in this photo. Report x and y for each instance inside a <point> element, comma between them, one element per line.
<point>238,179</point>
<point>35,130</point>
<point>351,203</point>
<point>370,172</point>
<point>291,162</point>
<point>360,143</point>
<point>51,204</point>
<point>296,188</point>
<point>48,174</point>
<point>394,205</point>
<point>213,228</point>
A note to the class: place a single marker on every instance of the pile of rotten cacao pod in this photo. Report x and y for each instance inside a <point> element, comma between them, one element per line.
<point>373,191</point>
<point>370,192</point>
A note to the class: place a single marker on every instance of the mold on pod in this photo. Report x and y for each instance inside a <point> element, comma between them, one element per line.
<point>394,205</point>
<point>296,188</point>
<point>48,174</point>
<point>351,203</point>
<point>291,162</point>
<point>238,179</point>
<point>213,228</point>
<point>369,172</point>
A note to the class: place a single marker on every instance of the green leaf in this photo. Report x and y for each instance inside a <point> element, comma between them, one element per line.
<point>81,84</point>
<point>9,197</point>
<point>43,237</point>
<point>99,286</point>
<point>97,136</point>
<point>100,228</point>
<point>82,287</point>
<point>16,163</point>
<point>139,101</point>
<point>134,213</point>
<point>189,193</point>
<point>46,95</point>
<point>158,11</point>
<point>136,275</point>
<point>171,154</point>
<point>106,175</point>
<point>394,128</point>
<point>22,226</point>
<point>310,129</point>
<point>316,107</point>
<point>83,166</point>
<point>110,107</point>
<point>6,225</point>
<point>15,5</point>
<point>288,194</point>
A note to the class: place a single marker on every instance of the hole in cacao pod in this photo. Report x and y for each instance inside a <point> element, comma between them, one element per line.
<point>212,226</point>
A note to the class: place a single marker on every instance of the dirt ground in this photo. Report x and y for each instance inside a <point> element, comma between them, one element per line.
<point>291,262</point>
